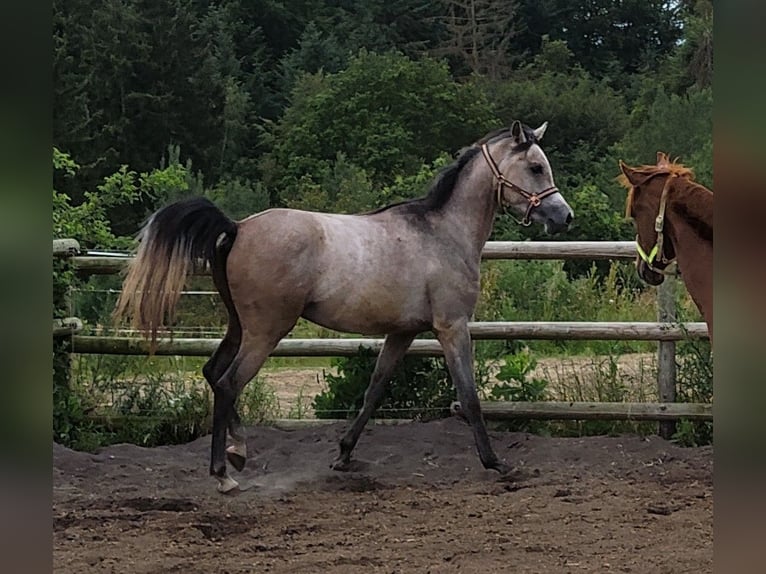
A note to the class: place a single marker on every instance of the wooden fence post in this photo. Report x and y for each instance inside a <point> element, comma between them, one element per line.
<point>666,354</point>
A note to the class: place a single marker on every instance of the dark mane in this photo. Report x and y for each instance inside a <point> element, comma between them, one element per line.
<point>444,184</point>
<point>440,191</point>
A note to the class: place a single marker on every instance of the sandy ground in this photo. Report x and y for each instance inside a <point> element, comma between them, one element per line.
<point>418,501</point>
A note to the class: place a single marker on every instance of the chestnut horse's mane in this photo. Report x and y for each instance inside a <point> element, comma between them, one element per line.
<point>686,174</point>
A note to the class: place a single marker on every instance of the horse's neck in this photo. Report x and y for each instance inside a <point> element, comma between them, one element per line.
<point>699,201</point>
<point>694,255</point>
<point>470,212</point>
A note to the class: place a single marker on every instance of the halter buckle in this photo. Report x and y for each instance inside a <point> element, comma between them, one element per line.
<point>534,200</point>
<point>658,223</point>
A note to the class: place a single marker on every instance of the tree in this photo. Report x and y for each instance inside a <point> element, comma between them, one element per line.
<point>132,77</point>
<point>317,51</point>
<point>679,125</point>
<point>479,33</point>
<point>609,38</point>
<point>585,114</point>
<point>385,113</point>
<point>691,63</point>
<point>96,49</point>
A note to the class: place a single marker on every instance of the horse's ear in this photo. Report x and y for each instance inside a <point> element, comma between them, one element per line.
<point>540,132</point>
<point>628,172</point>
<point>662,159</point>
<point>518,132</point>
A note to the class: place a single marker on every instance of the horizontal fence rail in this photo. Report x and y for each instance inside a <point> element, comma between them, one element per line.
<point>66,326</point>
<point>666,332</point>
<point>626,331</point>
<point>565,410</point>
<point>105,265</point>
<point>559,250</point>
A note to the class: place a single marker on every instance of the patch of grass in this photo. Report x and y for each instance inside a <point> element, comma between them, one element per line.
<point>258,402</point>
<point>694,376</point>
<point>151,401</point>
<point>281,363</point>
<point>543,291</point>
<point>594,379</point>
<point>301,408</point>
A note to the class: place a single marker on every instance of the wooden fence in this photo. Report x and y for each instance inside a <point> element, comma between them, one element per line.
<point>666,331</point>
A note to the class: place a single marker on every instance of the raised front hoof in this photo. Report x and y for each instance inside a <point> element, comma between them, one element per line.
<point>227,485</point>
<point>236,460</point>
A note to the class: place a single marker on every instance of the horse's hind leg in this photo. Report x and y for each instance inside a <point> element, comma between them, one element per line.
<point>213,370</point>
<point>252,353</point>
<point>236,453</point>
<point>394,348</point>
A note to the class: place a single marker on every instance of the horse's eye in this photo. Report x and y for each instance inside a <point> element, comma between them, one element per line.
<point>536,168</point>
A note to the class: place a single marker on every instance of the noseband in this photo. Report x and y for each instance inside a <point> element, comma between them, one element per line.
<point>534,199</point>
<point>659,224</point>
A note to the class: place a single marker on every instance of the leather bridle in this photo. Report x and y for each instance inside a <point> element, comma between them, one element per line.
<point>533,199</point>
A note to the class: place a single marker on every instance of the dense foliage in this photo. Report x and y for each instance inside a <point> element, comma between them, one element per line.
<point>310,104</point>
<point>347,106</point>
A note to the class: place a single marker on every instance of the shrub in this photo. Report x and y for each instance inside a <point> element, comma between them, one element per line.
<point>694,384</point>
<point>515,384</point>
<point>420,388</point>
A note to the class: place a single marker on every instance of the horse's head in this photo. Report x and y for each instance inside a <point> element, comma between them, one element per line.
<point>648,188</point>
<point>524,180</point>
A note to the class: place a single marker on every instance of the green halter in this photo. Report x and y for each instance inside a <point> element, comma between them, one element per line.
<point>659,224</point>
<point>648,258</point>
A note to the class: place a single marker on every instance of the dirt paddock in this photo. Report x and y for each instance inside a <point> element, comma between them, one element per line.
<point>418,501</point>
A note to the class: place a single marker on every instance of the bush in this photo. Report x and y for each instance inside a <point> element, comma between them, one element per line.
<point>694,384</point>
<point>515,384</point>
<point>420,388</point>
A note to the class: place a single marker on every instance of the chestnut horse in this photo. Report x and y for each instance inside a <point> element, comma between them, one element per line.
<point>673,215</point>
<point>399,271</point>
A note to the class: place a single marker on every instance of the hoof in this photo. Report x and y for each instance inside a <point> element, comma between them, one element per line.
<point>227,485</point>
<point>513,475</point>
<point>350,466</point>
<point>341,465</point>
<point>500,467</point>
<point>236,460</point>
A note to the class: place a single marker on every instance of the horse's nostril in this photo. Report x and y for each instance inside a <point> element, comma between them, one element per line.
<point>569,218</point>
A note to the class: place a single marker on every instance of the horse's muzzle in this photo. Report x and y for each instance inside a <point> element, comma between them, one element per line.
<point>554,225</point>
<point>647,274</point>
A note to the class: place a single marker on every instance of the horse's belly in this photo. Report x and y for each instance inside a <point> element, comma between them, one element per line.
<point>369,313</point>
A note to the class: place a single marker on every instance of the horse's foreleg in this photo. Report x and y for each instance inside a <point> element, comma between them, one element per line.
<point>393,350</point>
<point>456,343</point>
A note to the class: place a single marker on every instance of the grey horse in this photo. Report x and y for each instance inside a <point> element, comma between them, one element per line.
<point>398,271</point>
